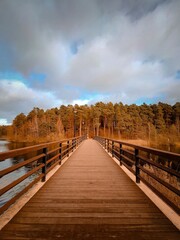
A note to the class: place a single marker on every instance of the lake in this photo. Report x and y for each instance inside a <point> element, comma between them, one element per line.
<point>5,180</point>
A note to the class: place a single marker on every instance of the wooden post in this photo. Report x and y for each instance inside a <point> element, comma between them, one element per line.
<point>108,145</point>
<point>120,154</point>
<point>112,148</point>
<point>44,160</point>
<point>137,165</point>
<point>75,143</point>
<point>73,146</point>
<point>68,148</point>
<point>60,152</point>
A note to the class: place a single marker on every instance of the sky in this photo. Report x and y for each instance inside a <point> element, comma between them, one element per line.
<point>55,52</point>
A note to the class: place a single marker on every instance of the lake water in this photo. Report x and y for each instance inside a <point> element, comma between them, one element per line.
<point>7,179</point>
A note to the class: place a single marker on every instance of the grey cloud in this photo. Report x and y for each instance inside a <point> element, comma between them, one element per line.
<point>31,26</point>
<point>129,49</point>
<point>112,61</point>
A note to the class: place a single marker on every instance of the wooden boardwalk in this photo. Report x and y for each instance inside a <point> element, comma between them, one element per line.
<point>90,197</point>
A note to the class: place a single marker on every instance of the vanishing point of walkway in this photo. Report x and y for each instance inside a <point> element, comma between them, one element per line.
<point>90,197</point>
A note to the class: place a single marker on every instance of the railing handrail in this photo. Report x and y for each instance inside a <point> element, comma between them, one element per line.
<point>136,163</point>
<point>24,150</point>
<point>48,160</point>
<point>147,149</point>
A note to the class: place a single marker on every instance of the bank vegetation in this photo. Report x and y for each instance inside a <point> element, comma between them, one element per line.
<point>152,124</point>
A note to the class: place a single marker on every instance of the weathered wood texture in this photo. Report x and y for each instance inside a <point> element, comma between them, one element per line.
<point>90,197</point>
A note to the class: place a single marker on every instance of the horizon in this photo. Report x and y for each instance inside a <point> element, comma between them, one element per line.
<point>56,53</point>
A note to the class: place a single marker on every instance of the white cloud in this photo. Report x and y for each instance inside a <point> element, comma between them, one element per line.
<point>3,121</point>
<point>81,102</point>
<point>16,97</point>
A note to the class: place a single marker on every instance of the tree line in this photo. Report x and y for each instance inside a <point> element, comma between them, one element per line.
<point>148,122</point>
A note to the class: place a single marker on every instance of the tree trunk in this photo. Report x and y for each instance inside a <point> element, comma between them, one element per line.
<point>104,126</point>
<point>97,130</point>
<point>109,131</point>
<point>80,126</point>
<point>119,134</point>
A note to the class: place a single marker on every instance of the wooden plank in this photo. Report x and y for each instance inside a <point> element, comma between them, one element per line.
<point>67,208</point>
<point>91,213</point>
<point>91,219</point>
<point>90,197</point>
<point>90,232</point>
<point>64,227</point>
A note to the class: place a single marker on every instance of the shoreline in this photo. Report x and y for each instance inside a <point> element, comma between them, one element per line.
<point>170,147</point>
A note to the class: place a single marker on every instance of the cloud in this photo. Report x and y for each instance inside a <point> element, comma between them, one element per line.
<point>80,102</point>
<point>3,121</point>
<point>88,51</point>
<point>132,58</point>
<point>16,97</point>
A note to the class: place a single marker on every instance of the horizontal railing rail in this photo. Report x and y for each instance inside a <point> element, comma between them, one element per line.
<point>38,161</point>
<point>159,170</point>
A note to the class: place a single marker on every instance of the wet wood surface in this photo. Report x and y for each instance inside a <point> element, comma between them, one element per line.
<point>90,197</point>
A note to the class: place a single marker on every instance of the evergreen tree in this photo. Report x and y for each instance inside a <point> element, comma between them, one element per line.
<point>159,121</point>
<point>112,120</point>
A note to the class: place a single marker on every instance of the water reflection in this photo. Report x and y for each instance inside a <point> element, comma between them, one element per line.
<point>4,145</point>
<point>9,178</point>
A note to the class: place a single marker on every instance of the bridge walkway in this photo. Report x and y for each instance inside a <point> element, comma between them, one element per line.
<point>90,197</point>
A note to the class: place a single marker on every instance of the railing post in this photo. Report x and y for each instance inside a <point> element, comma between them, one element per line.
<point>108,145</point>
<point>120,154</point>
<point>60,153</point>
<point>105,143</point>
<point>72,145</point>
<point>68,148</point>
<point>112,148</point>
<point>44,160</point>
<point>137,165</point>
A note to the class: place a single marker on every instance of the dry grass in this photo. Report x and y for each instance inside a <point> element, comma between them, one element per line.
<point>138,142</point>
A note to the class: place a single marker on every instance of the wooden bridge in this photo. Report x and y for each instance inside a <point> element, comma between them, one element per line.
<point>89,197</point>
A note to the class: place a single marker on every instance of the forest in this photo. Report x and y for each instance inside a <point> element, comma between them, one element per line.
<point>152,123</point>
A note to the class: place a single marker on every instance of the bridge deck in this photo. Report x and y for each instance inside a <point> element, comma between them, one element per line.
<point>90,197</point>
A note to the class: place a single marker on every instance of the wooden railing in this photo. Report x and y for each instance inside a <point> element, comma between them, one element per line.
<point>39,159</point>
<point>159,170</point>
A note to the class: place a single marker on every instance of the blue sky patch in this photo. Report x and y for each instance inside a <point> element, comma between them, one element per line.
<point>146,100</point>
<point>178,74</point>
<point>74,46</point>
<point>37,77</point>
<point>12,76</point>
